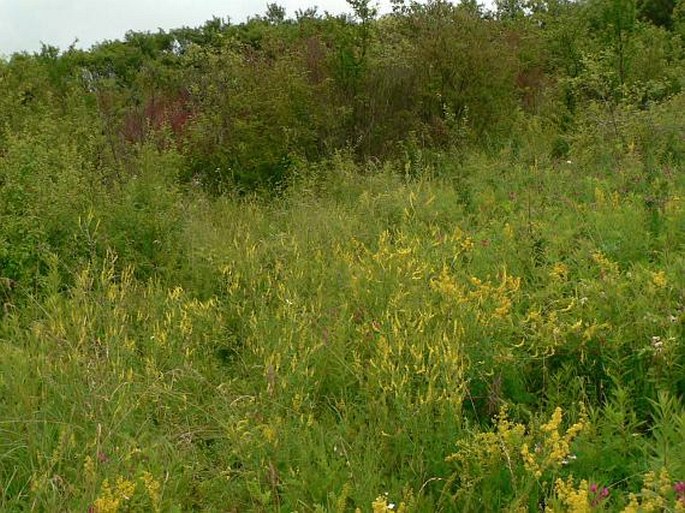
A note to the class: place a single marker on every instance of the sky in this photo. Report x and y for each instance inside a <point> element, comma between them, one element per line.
<point>25,24</point>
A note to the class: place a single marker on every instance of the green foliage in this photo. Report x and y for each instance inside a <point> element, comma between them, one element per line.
<point>429,261</point>
<point>354,330</point>
<point>660,13</point>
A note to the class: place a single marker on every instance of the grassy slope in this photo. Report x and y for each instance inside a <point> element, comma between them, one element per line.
<point>314,352</point>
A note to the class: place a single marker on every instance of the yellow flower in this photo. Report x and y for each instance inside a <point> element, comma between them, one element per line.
<point>530,462</point>
<point>111,498</point>
<point>559,271</point>
<point>665,484</point>
<point>659,279</point>
<point>125,488</point>
<point>380,505</point>
<point>152,487</point>
<point>554,422</point>
<point>107,502</point>
<point>466,244</point>
<point>633,506</point>
<point>575,500</point>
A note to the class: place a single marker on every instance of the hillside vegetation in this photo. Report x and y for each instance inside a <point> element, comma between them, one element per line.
<point>430,261</point>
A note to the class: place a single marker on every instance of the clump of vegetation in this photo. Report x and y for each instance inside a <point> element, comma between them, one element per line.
<point>426,261</point>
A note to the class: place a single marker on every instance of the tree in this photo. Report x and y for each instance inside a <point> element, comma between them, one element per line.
<point>275,14</point>
<point>658,12</point>
<point>679,18</point>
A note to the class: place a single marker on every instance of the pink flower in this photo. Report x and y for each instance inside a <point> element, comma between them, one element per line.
<point>679,488</point>
<point>599,494</point>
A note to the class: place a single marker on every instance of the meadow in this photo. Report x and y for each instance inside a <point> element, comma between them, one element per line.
<point>485,336</point>
<point>226,310</point>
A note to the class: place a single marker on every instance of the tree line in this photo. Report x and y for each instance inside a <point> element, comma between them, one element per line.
<point>246,103</point>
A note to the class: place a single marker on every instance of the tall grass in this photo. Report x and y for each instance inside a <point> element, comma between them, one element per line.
<point>485,334</point>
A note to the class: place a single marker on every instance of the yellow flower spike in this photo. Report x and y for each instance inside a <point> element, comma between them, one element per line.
<point>679,506</point>
<point>152,487</point>
<point>89,468</point>
<point>575,500</point>
<point>554,422</point>
<point>574,430</point>
<point>504,308</point>
<point>379,505</point>
<point>341,503</point>
<point>125,488</point>
<point>633,505</point>
<point>529,461</point>
<point>607,267</point>
<point>649,481</point>
<point>108,501</point>
<point>559,271</point>
<point>665,484</point>
<point>175,293</point>
<point>615,199</point>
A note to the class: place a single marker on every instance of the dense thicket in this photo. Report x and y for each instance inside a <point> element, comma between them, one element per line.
<point>244,103</point>
<point>288,264</point>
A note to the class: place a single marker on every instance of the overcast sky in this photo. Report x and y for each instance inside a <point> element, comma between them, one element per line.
<point>24,24</point>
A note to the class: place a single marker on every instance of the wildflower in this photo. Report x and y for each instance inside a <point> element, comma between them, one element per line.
<point>466,244</point>
<point>599,495</point>
<point>679,489</point>
<point>530,462</point>
<point>125,488</point>
<point>657,344</point>
<point>606,266</point>
<point>659,279</point>
<point>554,422</point>
<point>152,487</point>
<point>89,467</point>
<point>559,271</point>
<point>576,500</point>
<point>633,506</point>
<point>111,498</point>
<point>380,505</point>
<point>568,459</point>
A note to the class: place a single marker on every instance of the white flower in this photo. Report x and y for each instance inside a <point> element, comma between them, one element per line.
<point>657,343</point>
<point>569,459</point>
